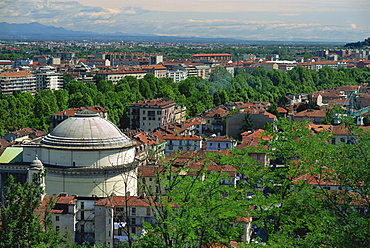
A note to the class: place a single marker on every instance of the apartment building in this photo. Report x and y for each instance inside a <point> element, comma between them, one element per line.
<point>66,55</point>
<point>213,58</point>
<point>159,71</point>
<point>151,114</point>
<point>176,143</point>
<point>116,75</point>
<point>220,143</point>
<point>178,73</point>
<point>17,80</point>
<point>48,78</point>
<point>118,218</point>
<point>152,59</point>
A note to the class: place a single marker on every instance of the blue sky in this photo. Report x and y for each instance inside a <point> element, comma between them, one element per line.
<point>319,20</point>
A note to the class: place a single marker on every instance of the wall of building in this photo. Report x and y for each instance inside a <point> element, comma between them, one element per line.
<point>83,184</point>
<point>80,158</point>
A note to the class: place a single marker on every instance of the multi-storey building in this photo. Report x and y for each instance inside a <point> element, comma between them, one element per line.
<point>120,218</point>
<point>17,80</point>
<point>159,71</point>
<point>48,78</point>
<point>178,73</point>
<point>116,75</point>
<point>220,143</point>
<point>176,143</point>
<point>213,58</point>
<point>66,55</point>
<point>152,59</point>
<point>150,114</point>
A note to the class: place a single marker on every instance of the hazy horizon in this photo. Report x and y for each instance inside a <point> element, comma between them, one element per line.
<point>325,20</point>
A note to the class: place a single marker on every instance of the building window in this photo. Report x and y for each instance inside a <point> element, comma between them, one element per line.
<point>57,218</point>
<point>158,112</point>
<point>210,144</point>
<point>132,221</point>
<point>133,211</point>
<point>82,215</point>
<point>133,230</point>
<point>147,211</point>
<point>82,205</point>
<point>82,229</point>
<point>57,228</point>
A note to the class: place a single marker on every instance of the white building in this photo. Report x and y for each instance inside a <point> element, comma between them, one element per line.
<point>86,155</point>
<point>48,78</point>
<point>176,143</point>
<point>220,143</point>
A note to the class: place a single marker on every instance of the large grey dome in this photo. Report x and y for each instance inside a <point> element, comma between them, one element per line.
<point>85,130</point>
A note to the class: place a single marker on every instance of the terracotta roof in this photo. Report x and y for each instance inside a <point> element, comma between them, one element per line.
<point>162,102</point>
<point>149,171</point>
<point>282,110</point>
<point>15,74</point>
<point>154,67</point>
<point>211,55</point>
<point>218,111</point>
<point>311,113</point>
<point>181,137</point>
<point>315,180</point>
<point>71,112</point>
<point>133,201</point>
<point>220,138</point>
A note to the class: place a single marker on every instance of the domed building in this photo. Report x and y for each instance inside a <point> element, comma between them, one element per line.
<point>86,155</point>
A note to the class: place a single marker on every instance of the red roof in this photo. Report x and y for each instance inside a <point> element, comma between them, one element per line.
<point>181,137</point>
<point>133,201</point>
<point>162,102</point>
<point>71,112</point>
<point>15,74</point>
<point>212,55</point>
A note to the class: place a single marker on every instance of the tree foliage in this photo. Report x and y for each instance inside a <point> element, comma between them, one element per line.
<point>22,109</point>
<point>196,211</point>
<point>21,227</point>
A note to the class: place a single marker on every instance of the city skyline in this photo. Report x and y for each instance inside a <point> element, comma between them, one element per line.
<point>325,20</point>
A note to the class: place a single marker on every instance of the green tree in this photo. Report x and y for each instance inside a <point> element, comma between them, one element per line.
<point>195,212</point>
<point>21,227</point>
<point>247,123</point>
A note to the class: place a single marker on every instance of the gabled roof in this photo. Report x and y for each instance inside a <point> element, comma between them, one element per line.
<point>15,74</point>
<point>220,139</point>
<point>132,201</point>
<point>72,112</point>
<point>161,102</point>
<point>181,137</point>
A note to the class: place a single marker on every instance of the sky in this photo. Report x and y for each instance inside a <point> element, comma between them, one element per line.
<point>280,20</point>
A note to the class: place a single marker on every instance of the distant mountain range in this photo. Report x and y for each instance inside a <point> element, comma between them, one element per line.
<point>37,31</point>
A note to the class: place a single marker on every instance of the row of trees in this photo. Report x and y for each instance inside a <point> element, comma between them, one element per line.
<point>289,205</point>
<point>22,109</point>
<point>286,208</point>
